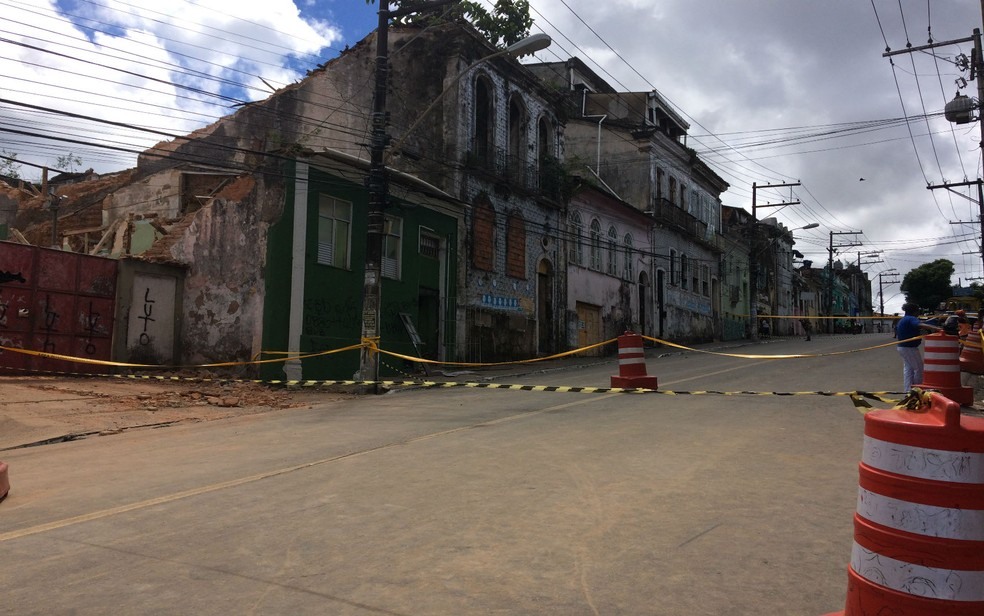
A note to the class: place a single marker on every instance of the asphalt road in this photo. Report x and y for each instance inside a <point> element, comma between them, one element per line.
<point>466,501</point>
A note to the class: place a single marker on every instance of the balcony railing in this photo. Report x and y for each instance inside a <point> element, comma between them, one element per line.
<point>668,213</point>
<point>519,171</point>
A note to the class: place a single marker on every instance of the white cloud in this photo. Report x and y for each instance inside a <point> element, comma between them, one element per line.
<point>738,69</point>
<point>173,66</point>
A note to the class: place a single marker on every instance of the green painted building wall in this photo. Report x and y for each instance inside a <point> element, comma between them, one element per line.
<point>332,305</point>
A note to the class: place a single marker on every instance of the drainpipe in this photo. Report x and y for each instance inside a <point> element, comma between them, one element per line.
<point>602,119</point>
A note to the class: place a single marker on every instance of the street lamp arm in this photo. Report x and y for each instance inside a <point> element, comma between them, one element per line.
<point>528,45</point>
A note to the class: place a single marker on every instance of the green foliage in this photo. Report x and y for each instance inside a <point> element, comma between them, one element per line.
<point>69,162</point>
<point>929,284</point>
<point>8,164</point>
<point>509,21</point>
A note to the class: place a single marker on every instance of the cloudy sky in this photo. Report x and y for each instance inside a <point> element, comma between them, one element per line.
<point>776,91</point>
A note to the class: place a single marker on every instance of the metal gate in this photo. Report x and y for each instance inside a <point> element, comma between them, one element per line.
<point>57,302</point>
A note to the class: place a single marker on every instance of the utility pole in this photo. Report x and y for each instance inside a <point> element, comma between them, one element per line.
<point>980,204</point>
<point>753,252</point>
<point>881,289</point>
<point>830,273</point>
<point>378,189</point>
<point>960,109</point>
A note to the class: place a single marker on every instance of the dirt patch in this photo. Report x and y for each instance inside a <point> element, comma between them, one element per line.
<point>37,410</point>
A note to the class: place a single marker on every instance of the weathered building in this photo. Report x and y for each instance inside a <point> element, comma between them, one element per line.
<point>635,145</point>
<point>736,227</point>
<point>610,265</point>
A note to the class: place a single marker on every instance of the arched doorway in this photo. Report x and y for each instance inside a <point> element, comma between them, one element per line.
<point>544,307</point>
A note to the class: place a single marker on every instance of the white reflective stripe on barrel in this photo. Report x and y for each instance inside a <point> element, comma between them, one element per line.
<point>941,367</point>
<point>629,350</point>
<point>909,578</point>
<point>919,519</point>
<point>631,360</point>
<point>924,463</point>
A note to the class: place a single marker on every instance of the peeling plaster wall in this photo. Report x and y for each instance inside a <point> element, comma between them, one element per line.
<point>224,246</point>
<point>158,194</point>
<point>689,313</point>
<point>617,295</point>
<point>486,291</point>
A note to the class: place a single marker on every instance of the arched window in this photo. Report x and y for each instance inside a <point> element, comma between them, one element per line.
<point>612,251</point>
<point>627,270</point>
<point>546,179</point>
<point>483,235</point>
<point>484,126</point>
<point>576,230</point>
<point>684,271</point>
<point>596,245</point>
<point>544,139</point>
<point>517,140</point>
<point>516,246</point>
<point>673,267</point>
<point>673,191</point>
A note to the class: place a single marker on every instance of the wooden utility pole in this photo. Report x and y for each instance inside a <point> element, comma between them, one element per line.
<point>753,252</point>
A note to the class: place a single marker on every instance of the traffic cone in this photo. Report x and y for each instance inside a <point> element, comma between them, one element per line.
<point>941,369</point>
<point>919,524</point>
<point>971,356</point>
<point>632,364</point>
<point>4,481</point>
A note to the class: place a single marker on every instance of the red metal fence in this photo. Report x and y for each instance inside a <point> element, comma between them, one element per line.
<point>58,302</point>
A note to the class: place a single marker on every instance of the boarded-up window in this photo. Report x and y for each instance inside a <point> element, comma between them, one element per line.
<point>483,236</point>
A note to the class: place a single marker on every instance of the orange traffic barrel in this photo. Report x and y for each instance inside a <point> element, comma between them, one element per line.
<point>919,523</point>
<point>4,481</point>
<point>971,356</point>
<point>941,369</point>
<point>632,364</point>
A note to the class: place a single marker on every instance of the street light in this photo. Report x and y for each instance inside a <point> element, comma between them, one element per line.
<point>377,181</point>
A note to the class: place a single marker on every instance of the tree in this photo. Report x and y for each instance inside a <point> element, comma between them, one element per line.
<point>929,284</point>
<point>508,22</point>
<point>8,165</point>
<point>69,162</point>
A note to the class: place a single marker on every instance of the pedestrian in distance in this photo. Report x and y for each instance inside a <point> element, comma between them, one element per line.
<point>808,328</point>
<point>908,331</point>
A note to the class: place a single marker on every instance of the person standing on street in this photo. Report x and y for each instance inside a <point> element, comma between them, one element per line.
<point>910,327</point>
<point>808,328</point>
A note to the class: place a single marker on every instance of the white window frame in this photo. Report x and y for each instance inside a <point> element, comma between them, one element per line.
<point>612,251</point>
<point>576,252</point>
<point>391,261</point>
<point>628,270</point>
<point>595,239</point>
<point>334,222</point>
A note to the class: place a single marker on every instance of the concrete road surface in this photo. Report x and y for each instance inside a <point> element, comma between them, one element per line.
<point>464,501</point>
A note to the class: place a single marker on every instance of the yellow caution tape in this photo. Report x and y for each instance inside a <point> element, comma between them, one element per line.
<point>916,400</point>
<point>421,360</point>
<point>791,356</point>
<point>102,362</point>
